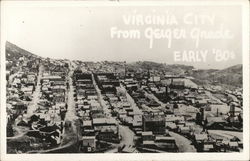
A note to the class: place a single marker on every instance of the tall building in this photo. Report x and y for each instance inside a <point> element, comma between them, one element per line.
<point>154,122</point>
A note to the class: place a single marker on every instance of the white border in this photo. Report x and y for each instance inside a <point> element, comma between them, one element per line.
<point>145,156</point>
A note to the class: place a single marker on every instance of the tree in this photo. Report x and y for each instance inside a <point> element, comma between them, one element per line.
<point>175,105</point>
<point>10,131</point>
<point>198,118</point>
<point>240,119</point>
<point>34,118</point>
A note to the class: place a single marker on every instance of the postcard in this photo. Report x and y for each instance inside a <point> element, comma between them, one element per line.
<point>125,80</point>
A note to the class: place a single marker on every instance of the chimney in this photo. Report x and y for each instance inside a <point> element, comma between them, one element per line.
<point>232,110</point>
<point>202,113</point>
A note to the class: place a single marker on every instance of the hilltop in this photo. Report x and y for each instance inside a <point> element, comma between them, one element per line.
<point>230,77</point>
<point>13,50</point>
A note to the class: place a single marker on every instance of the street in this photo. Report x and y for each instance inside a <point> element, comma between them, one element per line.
<point>127,135</point>
<point>183,144</point>
<point>33,105</point>
<point>70,131</point>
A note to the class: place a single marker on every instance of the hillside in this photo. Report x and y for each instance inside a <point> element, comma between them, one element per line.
<point>176,69</point>
<point>15,52</point>
<point>231,76</point>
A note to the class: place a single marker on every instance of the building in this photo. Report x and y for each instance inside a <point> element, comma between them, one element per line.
<point>106,129</point>
<point>154,122</point>
<point>88,144</point>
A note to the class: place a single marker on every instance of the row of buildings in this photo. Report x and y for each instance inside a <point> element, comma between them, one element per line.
<point>22,74</point>
<point>96,127</point>
<point>107,97</point>
<point>40,102</point>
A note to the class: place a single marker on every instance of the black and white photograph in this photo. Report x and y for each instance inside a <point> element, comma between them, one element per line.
<point>98,78</point>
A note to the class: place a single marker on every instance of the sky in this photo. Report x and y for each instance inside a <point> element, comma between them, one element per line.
<point>84,33</point>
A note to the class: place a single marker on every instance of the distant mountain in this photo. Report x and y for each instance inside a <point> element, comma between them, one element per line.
<point>231,76</point>
<point>176,69</point>
<point>13,51</point>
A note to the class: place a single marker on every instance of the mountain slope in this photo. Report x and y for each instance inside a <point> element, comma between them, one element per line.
<point>176,69</point>
<point>231,76</point>
<point>15,52</point>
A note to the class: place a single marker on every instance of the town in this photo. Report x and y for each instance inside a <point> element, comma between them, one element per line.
<point>73,106</point>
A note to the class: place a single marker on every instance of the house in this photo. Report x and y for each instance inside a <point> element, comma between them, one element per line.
<point>154,122</point>
<point>88,144</point>
<point>19,108</point>
<point>174,118</point>
<point>200,137</point>
<point>91,96</point>
<point>137,119</point>
<point>51,133</point>
<point>27,90</point>
<point>166,143</point>
<point>106,129</point>
<point>177,84</point>
<point>184,130</point>
<point>171,126</point>
<point>154,79</point>
<point>122,113</point>
<point>200,140</point>
<point>233,145</point>
<point>108,133</point>
<point>58,89</point>
<point>208,147</point>
<point>87,128</point>
<point>215,123</point>
<point>147,136</point>
<point>128,149</point>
